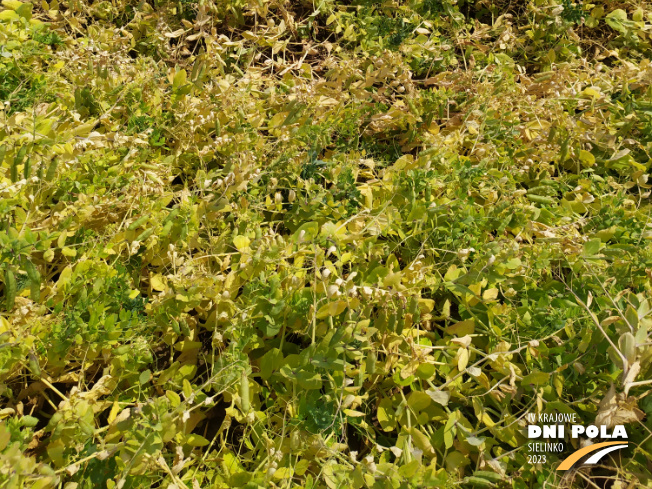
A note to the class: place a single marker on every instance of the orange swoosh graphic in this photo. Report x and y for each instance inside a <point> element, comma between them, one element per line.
<point>574,457</point>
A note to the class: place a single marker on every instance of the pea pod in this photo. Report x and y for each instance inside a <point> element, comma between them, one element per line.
<point>504,223</point>
<point>541,189</point>
<point>27,169</point>
<point>337,336</point>
<point>543,77</point>
<point>400,320</point>
<point>541,199</point>
<point>121,350</point>
<point>18,159</point>
<point>244,392</point>
<point>148,166</point>
<point>34,280</point>
<point>10,289</point>
<point>28,421</point>
<point>52,169</point>
<point>381,322</point>
<point>361,372</point>
<point>34,366</point>
<point>412,107</point>
<point>86,427</point>
<point>167,228</point>
<point>371,361</point>
<point>32,272</point>
<point>184,327</point>
<point>174,213</point>
<point>627,345</point>
<point>485,474</point>
<point>14,171</point>
<point>21,155</point>
<point>35,291</point>
<point>478,482</point>
<point>138,222</point>
<point>175,326</point>
<point>563,150</point>
<point>413,308</point>
<point>391,324</point>
<point>145,234</point>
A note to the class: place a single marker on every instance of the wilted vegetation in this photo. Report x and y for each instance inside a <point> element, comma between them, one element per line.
<point>268,243</point>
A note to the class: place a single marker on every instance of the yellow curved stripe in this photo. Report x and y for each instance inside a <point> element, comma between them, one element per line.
<point>575,456</point>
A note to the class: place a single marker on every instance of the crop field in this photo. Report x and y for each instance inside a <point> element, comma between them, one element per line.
<point>325,244</point>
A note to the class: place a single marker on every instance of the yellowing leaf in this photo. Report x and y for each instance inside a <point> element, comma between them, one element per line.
<point>592,92</point>
<point>157,282</point>
<point>114,412</point>
<point>64,277</point>
<point>9,15</point>
<point>462,328</point>
<point>535,378</point>
<point>419,400</point>
<point>83,130</point>
<point>452,273</point>
<point>426,305</point>
<point>392,279</point>
<point>302,466</point>
<point>490,294</point>
<point>462,359</point>
<point>386,415</point>
<point>175,34</point>
<point>12,4</point>
<point>309,380</point>
<point>421,441</point>
<point>277,120</point>
<point>331,309</point>
<point>403,162</point>
<point>241,243</point>
<point>586,158</point>
<point>195,440</point>
<point>25,10</point>
<point>179,79</point>
<point>353,414</point>
<point>283,473</point>
<point>440,397</point>
<point>368,194</point>
<point>174,398</point>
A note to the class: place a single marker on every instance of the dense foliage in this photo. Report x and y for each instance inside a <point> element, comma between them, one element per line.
<point>268,243</point>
